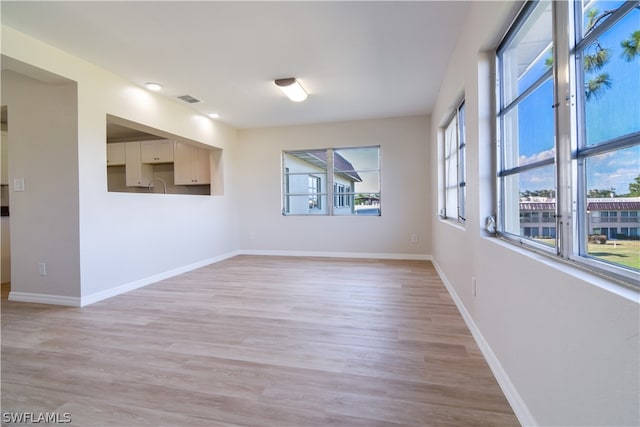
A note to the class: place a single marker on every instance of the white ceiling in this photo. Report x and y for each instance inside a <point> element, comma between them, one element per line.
<point>356,59</point>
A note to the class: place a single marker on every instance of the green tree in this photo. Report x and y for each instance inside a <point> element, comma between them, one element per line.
<point>538,193</point>
<point>595,193</point>
<point>634,187</point>
<point>596,57</point>
<point>631,46</point>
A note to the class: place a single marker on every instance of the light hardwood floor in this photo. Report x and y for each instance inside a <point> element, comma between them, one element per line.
<point>257,341</point>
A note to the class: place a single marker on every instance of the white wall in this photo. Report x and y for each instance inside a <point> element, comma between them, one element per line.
<point>44,217</point>
<point>563,343</point>
<point>111,241</point>
<point>404,179</point>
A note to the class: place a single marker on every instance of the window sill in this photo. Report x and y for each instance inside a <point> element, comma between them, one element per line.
<point>572,268</point>
<point>454,223</point>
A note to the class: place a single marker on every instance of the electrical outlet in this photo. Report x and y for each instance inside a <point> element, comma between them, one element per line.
<point>414,238</point>
<point>18,184</point>
<point>42,268</point>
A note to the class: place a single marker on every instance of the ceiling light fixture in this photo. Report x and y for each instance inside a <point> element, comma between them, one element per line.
<point>292,88</point>
<point>214,115</point>
<point>153,86</point>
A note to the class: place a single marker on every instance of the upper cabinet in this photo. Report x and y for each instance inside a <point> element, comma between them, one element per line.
<point>116,154</point>
<point>137,173</point>
<point>191,165</point>
<point>157,151</point>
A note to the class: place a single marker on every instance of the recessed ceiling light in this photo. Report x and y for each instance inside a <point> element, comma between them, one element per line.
<point>153,86</point>
<point>292,88</point>
<point>214,115</point>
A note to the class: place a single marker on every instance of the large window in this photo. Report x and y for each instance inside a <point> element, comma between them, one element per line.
<point>569,132</point>
<point>454,168</point>
<point>348,176</point>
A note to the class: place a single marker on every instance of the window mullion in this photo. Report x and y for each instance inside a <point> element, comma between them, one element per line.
<point>330,172</point>
<point>566,206</point>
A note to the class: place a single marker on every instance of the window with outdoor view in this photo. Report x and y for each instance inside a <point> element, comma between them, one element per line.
<point>350,177</point>
<point>569,148</point>
<point>454,168</point>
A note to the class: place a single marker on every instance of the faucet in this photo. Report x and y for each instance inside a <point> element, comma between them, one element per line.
<point>162,181</point>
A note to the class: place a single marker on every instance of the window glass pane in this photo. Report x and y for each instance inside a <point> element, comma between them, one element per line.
<point>314,204</point>
<point>356,173</point>
<point>528,129</point>
<point>529,197</point>
<point>369,183</point>
<point>613,182</point>
<point>611,75</point>
<point>366,194</point>
<point>356,159</point>
<point>614,174</point>
<point>367,204</point>
<point>595,13</point>
<point>305,162</point>
<point>527,56</point>
<point>450,169</point>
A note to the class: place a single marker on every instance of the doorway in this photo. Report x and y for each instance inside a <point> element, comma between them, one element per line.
<point>5,241</point>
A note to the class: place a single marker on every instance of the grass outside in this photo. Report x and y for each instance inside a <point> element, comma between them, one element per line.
<point>622,252</point>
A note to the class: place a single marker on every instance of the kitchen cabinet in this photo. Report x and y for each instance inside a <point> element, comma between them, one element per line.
<point>157,151</point>
<point>116,154</point>
<point>137,174</point>
<point>191,165</point>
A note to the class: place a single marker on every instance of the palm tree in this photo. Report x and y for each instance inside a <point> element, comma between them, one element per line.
<point>631,46</point>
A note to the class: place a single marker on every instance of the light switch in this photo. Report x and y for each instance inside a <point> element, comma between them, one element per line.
<point>18,184</point>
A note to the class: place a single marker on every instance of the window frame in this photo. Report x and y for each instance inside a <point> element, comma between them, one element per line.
<point>457,157</point>
<point>338,196</point>
<point>571,150</point>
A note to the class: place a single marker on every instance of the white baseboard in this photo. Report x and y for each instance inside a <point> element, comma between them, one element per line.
<point>44,299</point>
<point>99,296</point>
<point>355,255</point>
<point>511,393</point>
<point>102,295</point>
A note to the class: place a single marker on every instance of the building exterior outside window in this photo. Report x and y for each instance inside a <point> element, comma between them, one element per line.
<point>611,218</point>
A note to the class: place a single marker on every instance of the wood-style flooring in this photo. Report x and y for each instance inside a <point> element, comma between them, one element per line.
<point>257,341</point>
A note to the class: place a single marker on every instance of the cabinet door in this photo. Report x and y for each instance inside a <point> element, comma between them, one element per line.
<point>157,151</point>
<point>191,165</point>
<point>137,174</point>
<point>201,169</point>
<point>116,154</point>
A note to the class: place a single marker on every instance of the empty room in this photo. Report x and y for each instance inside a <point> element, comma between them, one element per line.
<point>298,214</point>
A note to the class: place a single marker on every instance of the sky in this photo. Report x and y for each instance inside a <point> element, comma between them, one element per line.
<point>615,113</point>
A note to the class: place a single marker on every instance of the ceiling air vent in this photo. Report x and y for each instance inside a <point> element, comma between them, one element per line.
<point>190,99</point>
